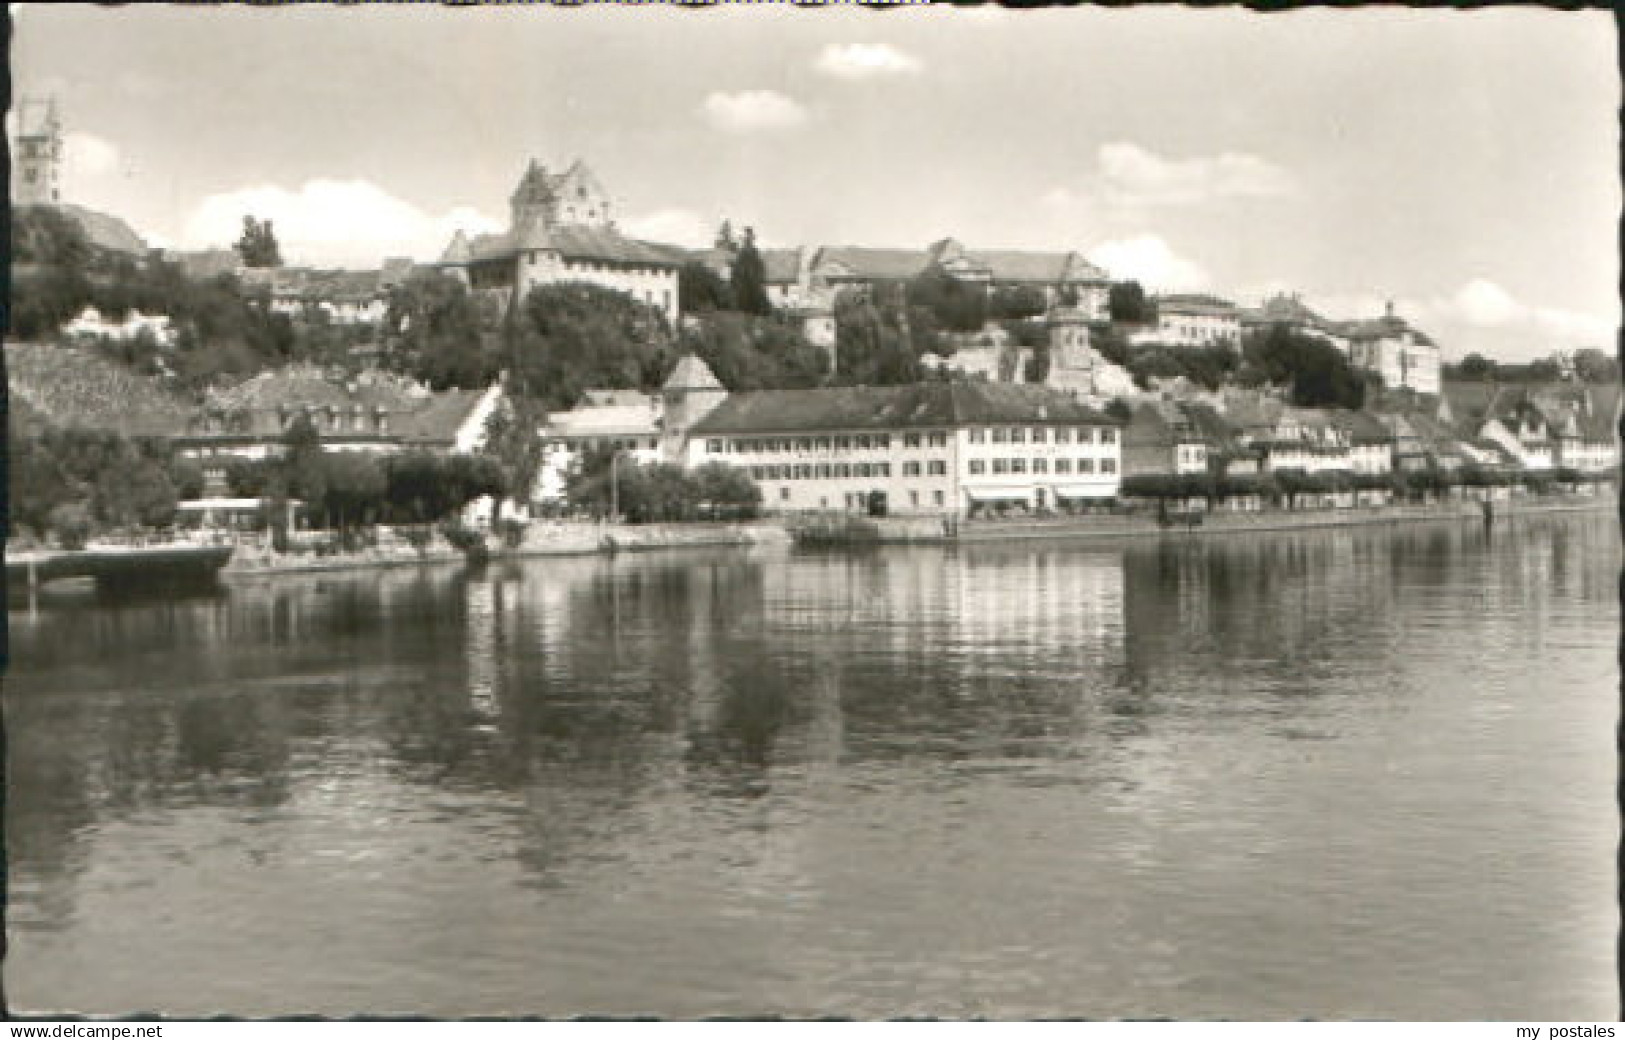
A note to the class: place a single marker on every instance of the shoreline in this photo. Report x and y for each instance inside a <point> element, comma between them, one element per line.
<point>1242,523</point>
<point>601,540</point>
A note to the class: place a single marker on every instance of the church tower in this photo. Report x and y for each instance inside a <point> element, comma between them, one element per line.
<point>37,176</point>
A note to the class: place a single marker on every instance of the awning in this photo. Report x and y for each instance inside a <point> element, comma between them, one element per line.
<point>984,494</point>
<point>1083,491</point>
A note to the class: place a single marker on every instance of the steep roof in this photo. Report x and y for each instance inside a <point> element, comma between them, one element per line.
<point>894,407</point>
<point>1386,327</point>
<point>302,385</point>
<point>458,250</point>
<point>783,266</point>
<point>1195,303</point>
<point>1211,424</point>
<point>573,242</point>
<point>882,264</point>
<point>1012,265</point>
<point>1362,427</point>
<point>395,270</point>
<point>692,374</point>
<point>437,420</point>
<point>633,415</point>
<point>1249,411</point>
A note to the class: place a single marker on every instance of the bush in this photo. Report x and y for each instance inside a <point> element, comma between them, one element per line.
<point>416,537</point>
<point>464,539</point>
<point>71,524</point>
<point>512,532</point>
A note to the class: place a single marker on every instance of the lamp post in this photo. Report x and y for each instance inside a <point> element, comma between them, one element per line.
<point>614,487</point>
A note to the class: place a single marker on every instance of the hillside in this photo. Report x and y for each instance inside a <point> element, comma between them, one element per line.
<point>70,387</point>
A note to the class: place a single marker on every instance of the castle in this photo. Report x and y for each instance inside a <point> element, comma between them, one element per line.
<point>561,228</point>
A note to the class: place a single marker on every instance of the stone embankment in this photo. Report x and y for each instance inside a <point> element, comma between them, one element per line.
<point>575,538</point>
<point>542,538</point>
<point>897,530</point>
<point>564,538</point>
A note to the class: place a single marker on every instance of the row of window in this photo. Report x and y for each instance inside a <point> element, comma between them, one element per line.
<point>861,441</point>
<point>1062,467</point>
<point>613,443</point>
<point>845,470</point>
<point>1041,435</point>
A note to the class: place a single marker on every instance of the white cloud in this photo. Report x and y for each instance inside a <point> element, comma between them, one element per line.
<point>343,223</point>
<point>1483,304</point>
<point>1133,176</point>
<point>866,60</point>
<point>1149,260</point>
<point>680,227</point>
<point>750,110</point>
<point>86,155</point>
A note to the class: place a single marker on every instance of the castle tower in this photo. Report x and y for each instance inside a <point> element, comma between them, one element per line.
<point>1069,339</point>
<point>689,395</point>
<point>38,172</point>
<point>533,201</point>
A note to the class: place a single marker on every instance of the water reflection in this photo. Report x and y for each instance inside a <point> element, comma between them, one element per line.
<point>599,747</point>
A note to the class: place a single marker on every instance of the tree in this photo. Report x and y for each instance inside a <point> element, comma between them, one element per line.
<point>1016,302</point>
<point>726,491</point>
<point>1595,366</point>
<point>1317,372</point>
<point>138,493</point>
<point>304,472</point>
<point>436,333</point>
<point>258,245</point>
<point>748,278</point>
<point>355,487</point>
<point>752,353</point>
<point>700,290</point>
<point>1127,303</point>
<point>1475,367</point>
<point>568,337</point>
<point>954,305</point>
<point>510,439</point>
<point>874,346</point>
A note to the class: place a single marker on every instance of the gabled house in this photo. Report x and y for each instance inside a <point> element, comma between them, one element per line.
<point>375,413</point>
<point>1391,348</point>
<point>1162,438</point>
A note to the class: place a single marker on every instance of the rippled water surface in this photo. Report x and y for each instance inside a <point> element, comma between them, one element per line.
<point>1361,773</point>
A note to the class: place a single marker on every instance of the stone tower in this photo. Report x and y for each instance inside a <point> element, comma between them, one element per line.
<point>1069,339</point>
<point>689,395</point>
<point>37,178</point>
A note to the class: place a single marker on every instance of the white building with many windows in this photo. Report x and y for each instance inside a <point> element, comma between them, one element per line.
<point>920,448</point>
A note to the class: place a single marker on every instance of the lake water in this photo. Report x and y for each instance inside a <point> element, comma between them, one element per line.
<point>1362,773</point>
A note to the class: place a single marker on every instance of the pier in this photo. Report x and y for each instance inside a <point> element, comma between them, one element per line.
<point>117,566</point>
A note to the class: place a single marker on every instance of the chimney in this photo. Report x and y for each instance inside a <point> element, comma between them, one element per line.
<point>1389,311</point>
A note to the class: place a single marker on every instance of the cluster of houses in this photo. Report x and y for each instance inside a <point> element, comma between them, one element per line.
<point>956,447</point>
<point>944,446</point>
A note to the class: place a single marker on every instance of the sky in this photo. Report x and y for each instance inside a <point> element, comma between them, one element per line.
<point>1462,164</point>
